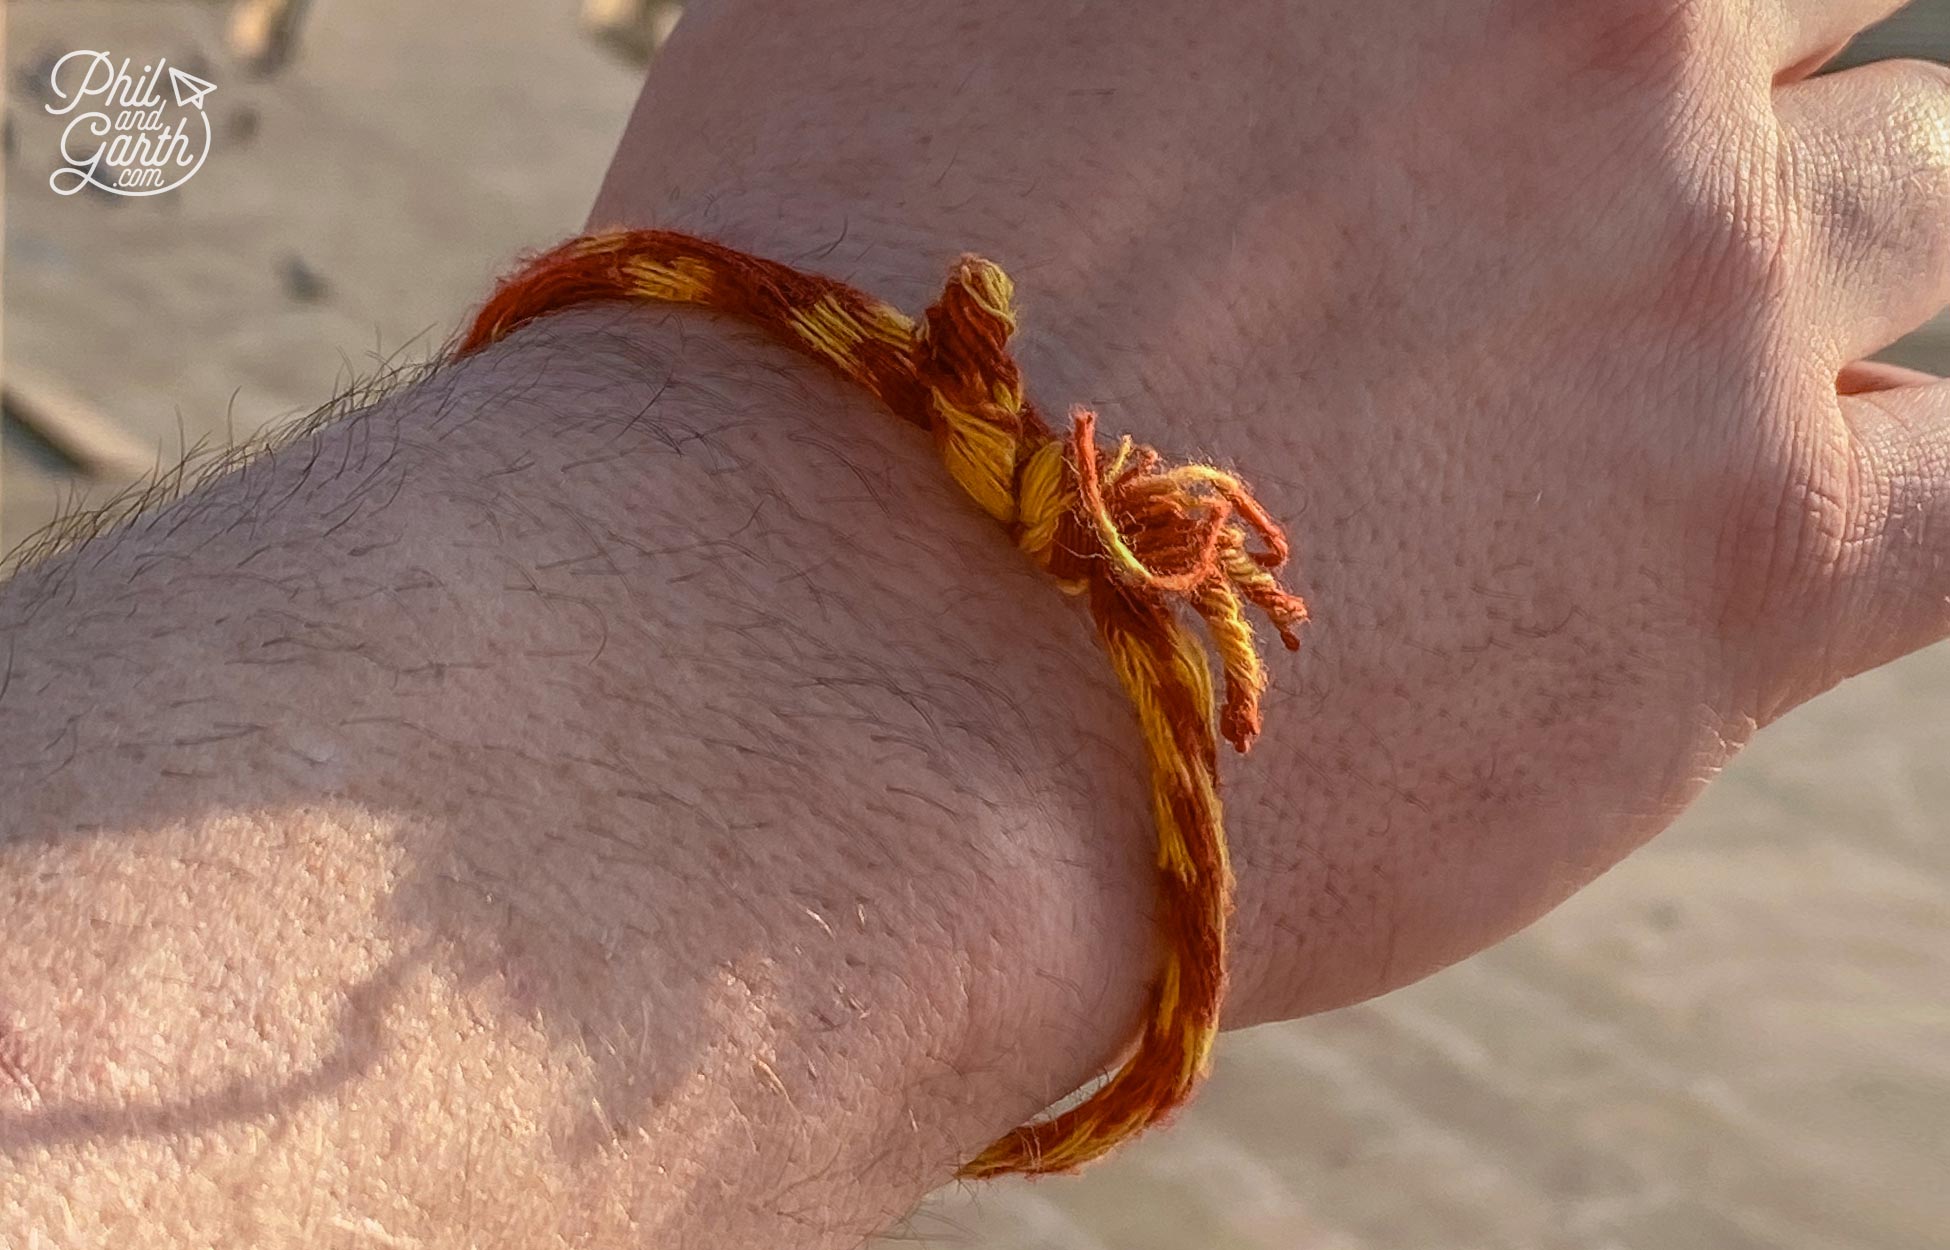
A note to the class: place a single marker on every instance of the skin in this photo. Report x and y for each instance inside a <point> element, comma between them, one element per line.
<point>613,792</point>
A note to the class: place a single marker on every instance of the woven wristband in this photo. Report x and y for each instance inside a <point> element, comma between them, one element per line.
<point>1141,539</point>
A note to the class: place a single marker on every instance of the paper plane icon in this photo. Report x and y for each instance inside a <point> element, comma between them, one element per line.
<point>189,89</point>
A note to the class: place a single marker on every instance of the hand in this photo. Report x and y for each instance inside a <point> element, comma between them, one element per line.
<point>1535,321</point>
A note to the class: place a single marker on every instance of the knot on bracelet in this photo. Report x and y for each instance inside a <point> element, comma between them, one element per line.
<point>1171,532</point>
<point>1139,537</point>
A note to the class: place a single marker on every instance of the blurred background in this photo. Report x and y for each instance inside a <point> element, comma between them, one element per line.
<point>1738,1040</point>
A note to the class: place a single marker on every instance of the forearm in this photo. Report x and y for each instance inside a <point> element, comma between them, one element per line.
<point>613,787</point>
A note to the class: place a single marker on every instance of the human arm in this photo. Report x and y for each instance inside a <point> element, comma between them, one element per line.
<point>1567,544</point>
<point>546,805</point>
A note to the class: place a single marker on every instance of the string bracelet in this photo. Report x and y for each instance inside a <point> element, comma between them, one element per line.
<point>1152,547</point>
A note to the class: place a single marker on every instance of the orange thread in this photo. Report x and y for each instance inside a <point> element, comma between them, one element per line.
<point>1138,537</point>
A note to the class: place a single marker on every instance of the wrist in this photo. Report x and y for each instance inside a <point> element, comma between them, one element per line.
<point>964,762</point>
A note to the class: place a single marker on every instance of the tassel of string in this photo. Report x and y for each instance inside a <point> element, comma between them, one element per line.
<point>1151,546</point>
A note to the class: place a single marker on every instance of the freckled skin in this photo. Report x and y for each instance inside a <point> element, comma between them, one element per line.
<point>617,792</point>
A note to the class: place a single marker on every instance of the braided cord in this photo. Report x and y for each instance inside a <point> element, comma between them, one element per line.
<point>1137,537</point>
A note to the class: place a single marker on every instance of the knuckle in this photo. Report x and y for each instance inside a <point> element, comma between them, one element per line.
<point>1733,232</point>
<point>1798,522</point>
<point>1721,227</point>
<point>1873,165</point>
